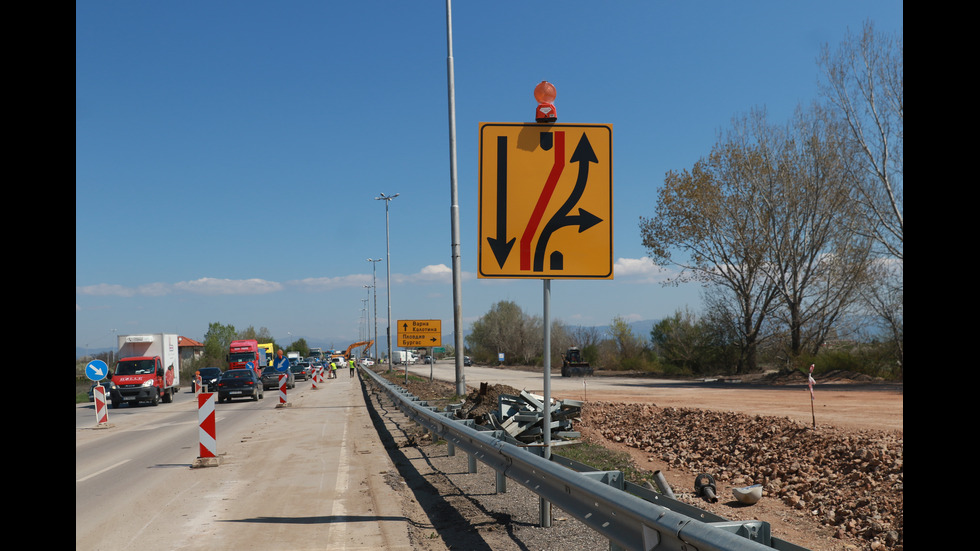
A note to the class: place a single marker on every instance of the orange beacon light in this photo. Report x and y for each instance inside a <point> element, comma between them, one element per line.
<point>545,93</point>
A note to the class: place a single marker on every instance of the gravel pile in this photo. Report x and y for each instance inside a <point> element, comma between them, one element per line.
<point>852,481</point>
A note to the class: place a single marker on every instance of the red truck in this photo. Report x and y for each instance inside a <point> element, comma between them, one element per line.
<point>240,353</point>
<point>148,369</point>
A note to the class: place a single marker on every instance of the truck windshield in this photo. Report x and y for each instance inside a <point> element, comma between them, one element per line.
<point>242,357</point>
<point>135,367</point>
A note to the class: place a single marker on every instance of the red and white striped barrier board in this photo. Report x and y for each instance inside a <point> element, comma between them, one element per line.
<point>316,372</point>
<point>205,417</point>
<point>101,408</point>
<point>282,388</point>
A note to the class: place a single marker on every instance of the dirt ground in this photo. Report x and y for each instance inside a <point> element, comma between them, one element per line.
<point>834,486</point>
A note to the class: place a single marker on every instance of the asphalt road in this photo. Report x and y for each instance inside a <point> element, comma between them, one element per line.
<point>315,474</point>
<point>311,475</point>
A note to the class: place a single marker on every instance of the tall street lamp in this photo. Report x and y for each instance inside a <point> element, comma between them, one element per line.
<point>374,264</point>
<point>367,313</point>
<point>387,199</point>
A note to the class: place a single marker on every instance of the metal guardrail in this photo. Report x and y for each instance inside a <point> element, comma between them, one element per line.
<point>635,519</point>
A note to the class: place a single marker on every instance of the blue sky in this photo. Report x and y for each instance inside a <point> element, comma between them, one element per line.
<point>228,154</point>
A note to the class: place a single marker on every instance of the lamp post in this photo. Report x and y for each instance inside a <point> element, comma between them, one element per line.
<point>367,312</point>
<point>387,199</point>
<point>374,264</point>
<point>454,209</point>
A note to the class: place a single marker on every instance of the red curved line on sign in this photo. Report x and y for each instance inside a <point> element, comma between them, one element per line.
<point>543,199</point>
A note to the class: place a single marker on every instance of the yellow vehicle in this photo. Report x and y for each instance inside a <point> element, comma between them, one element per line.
<point>269,353</point>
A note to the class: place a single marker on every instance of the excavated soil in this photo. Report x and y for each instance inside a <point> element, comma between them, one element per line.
<point>827,486</point>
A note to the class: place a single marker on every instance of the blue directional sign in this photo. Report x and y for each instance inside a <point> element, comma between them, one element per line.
<point>282,364</point>
<point>96,370</point>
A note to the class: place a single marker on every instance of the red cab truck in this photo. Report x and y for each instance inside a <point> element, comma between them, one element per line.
<point>148,369</point>
<point>240,353</point>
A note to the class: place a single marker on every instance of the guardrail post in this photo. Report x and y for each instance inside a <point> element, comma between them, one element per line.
<point>501,480</point>
<point>471,463</point>
<point>596,499</point>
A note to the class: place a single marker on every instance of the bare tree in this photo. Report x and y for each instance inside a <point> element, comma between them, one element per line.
<point>817,254</point>
<point>706,224</point>
<point>865,87</point>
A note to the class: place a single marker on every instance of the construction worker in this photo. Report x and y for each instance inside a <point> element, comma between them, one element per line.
<point>352,367</point>
<point>333,368</point>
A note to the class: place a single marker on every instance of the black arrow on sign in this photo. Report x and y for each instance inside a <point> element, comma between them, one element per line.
<point>500,245</point>
<point>584,154</point>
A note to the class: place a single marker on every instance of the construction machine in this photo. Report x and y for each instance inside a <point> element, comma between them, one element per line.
<point>573,364</point>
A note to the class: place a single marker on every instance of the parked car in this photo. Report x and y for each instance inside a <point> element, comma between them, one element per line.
<point>270,378</point>
<point>467,360</point>
<point>106,384</point>
<point>367,362</point>
<point>301,370</point>
<point>209,379</point>
<point>239,383</point>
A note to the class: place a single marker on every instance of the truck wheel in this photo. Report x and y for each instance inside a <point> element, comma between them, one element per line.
<point>168,396</point>
<point>156,400</point>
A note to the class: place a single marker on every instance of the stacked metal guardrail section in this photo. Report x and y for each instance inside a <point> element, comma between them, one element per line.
<point>630,516</point>
<point>522,417</point>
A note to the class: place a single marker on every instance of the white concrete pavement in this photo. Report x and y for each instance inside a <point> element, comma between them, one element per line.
<point>311,475</point>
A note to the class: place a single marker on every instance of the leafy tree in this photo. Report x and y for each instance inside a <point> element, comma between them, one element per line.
<point>628,345</point>
<point>216,343</point>
<point>505,328</point>
<point>299,345</point>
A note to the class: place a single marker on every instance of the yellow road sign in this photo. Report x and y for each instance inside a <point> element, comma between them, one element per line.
<point>419,333</point>
<point>546,201</point>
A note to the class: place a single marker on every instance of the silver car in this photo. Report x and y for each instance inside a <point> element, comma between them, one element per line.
<point>270,378</point>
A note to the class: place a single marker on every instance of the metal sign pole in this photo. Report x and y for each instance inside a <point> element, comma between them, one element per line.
<point>546,505</point>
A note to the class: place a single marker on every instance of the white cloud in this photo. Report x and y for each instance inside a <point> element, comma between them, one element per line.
<point>214,286</point>
<point>202,286</point>
<point>105,290</point>
<point>642,270</point>
<point>321,284</point>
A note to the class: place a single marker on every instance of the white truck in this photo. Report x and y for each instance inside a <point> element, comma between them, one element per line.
<point>402,357</point>
<point>294,358</point>
<point>148,369</point>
